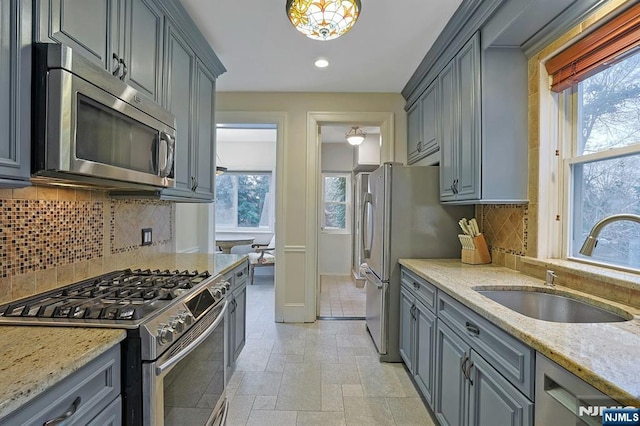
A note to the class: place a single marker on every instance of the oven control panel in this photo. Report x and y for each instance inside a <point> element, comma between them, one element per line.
<point>160,332</point>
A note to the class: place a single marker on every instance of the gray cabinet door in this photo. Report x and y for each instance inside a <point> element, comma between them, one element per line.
<point>240,323</point>
<point>180,65</point>
<point>205,132</point>
<point>493,400</point>
<point>448,131</point>
<point>89,27</point>
<point>430,120</point>
<point>143,47</point>
<point>414,132</point>
<point>450,388</point>
<point>406,328</point>
<point>425,337</point>
<point>15,92</point>
<point>468,84</point>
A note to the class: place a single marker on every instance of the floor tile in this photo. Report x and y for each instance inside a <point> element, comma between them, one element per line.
<point>321,418</point>
<point>340,374</point>
<point>332,398</point>
<point>272,418</point>
<point>239,410</point>
<point>352,390</point>
<point>264,403</point>
<point>260,383</point>
<point>367,411</point>
<point>409,412</point>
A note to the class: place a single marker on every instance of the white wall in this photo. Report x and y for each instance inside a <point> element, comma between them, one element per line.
<point>292,230</point>
<point>336,157</point>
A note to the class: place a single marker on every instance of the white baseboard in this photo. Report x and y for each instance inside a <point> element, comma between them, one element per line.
<point>190,250</point>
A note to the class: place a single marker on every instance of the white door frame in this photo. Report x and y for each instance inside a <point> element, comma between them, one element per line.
<point>384,120</point>
<point>280,120</point>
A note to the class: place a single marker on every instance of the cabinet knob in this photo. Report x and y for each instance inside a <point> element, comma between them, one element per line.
<point>419,147</point>
<point>472,328</point>
<point>118,62</point>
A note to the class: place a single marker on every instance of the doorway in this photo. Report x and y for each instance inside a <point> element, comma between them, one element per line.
<point>343,170</point>
<point>248,203</point>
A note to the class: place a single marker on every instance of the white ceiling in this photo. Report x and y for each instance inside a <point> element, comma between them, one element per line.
<point>263,52</point>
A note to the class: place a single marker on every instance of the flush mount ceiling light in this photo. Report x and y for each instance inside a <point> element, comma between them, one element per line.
<point>355,135</point>
<point>321,63</point>
<point>323,19</point>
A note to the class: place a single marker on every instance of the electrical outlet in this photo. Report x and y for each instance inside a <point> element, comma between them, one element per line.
<point>147,236</point>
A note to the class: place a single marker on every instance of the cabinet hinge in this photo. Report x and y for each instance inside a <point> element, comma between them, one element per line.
<point>557,153</point>
<point>558,217</point>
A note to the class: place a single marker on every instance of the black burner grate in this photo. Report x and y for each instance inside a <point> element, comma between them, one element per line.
<point>120,295</point>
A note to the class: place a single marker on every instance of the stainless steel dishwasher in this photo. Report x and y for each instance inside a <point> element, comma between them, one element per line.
<point>564,399</point>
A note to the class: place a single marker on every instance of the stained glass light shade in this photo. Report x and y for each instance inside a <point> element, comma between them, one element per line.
<point>323,19</point>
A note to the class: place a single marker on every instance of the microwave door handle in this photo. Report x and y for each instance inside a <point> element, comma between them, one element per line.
<point>191,346</point>
<point>166,154</point>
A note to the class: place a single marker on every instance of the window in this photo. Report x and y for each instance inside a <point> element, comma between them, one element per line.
<point>603,161</point>
<point>336,202</point>
<point>243,201</point>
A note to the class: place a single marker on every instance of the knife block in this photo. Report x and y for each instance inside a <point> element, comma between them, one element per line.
<point>478,256</point>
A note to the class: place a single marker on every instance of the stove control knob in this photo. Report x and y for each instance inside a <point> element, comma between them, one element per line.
<point>226,284</point>
<point>217,294</point>
<point>186,317</point>
<point>165,334</point>
<point>177,324</point>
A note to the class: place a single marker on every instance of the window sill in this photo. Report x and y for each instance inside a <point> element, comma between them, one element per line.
<point>619,286</point>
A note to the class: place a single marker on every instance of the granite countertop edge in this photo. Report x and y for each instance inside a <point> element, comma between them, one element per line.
<point>590,351</point>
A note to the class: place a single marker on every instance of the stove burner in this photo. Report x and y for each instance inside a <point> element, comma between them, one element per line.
<point>119,295</point>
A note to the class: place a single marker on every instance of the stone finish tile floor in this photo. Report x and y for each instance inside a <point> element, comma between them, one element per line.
<point>339,297</point>
<point>326,373</point>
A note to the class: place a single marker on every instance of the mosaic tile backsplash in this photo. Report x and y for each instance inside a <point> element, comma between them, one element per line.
<point>54,236</point>
<point>40,234</point>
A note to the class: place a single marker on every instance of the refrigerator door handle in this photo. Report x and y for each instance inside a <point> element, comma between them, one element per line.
<point>367,223</point>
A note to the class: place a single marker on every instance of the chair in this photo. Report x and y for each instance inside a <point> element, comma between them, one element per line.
<point>264,255</point>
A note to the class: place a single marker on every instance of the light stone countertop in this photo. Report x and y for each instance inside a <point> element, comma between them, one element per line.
<point>32,359</point>
<point>605,355</point>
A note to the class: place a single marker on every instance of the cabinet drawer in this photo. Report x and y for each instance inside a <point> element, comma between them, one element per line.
<point>423,290</point>
<point>240,275</point>
<point>97,384</point>
<point>512,358</point>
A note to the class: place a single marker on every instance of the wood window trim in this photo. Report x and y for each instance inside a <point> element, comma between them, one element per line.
<point>604,46</point>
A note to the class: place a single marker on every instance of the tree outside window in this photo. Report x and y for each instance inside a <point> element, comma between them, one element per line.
<point>605,161</point>
<point>243,201</point>
<point>336,202</point>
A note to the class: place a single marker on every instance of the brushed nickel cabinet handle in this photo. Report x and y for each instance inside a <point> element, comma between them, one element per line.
<point>70,412</point>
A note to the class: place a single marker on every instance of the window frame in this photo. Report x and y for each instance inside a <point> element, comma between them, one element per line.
<point>568,110</point>
<point>255,230</point>
<point>348,203</point>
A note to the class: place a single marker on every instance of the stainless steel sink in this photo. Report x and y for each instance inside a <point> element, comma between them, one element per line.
<point>551,307</point>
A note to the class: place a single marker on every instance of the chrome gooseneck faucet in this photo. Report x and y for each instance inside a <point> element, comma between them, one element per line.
<point>591,241</point>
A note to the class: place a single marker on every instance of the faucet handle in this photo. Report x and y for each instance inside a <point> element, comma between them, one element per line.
<point>550,277</point>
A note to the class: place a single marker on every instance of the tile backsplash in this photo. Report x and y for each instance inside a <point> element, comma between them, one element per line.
<point>52,236</point>
<point>505,228</point>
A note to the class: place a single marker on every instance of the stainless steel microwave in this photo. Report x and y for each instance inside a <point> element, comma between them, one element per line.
<point>90,127</point>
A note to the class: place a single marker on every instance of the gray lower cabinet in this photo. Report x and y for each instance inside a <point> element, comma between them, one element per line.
<point>417,333</point>
<point>91,395</point>
<point>237,322</point>
<point>450,383</point>
<point>15,93</point>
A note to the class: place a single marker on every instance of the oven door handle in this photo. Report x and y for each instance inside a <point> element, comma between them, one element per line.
<point>191,346</point>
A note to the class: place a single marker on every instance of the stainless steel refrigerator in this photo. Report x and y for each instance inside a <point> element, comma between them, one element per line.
<point>403,218</point>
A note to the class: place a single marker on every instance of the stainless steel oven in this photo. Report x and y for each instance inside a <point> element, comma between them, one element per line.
<point>186,385</point>
<point>90,126</point>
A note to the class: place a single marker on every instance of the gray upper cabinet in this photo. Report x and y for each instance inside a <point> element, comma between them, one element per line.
<point>15,93</point>
<point>190,96</point>
<point>460,125</point>
<point>205,132</point>
<point>422,119</point>
<point>90,27</point>
<point>180,69</point>
<point>122,36</point>
<point>143,47</point>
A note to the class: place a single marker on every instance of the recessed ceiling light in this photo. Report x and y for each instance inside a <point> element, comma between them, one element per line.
<point>321,63</point>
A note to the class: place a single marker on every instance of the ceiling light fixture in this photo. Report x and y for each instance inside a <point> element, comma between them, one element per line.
<point>219,169</point>
<point>323,19</point>
<point>355,135</point>
<point>321,63</point>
